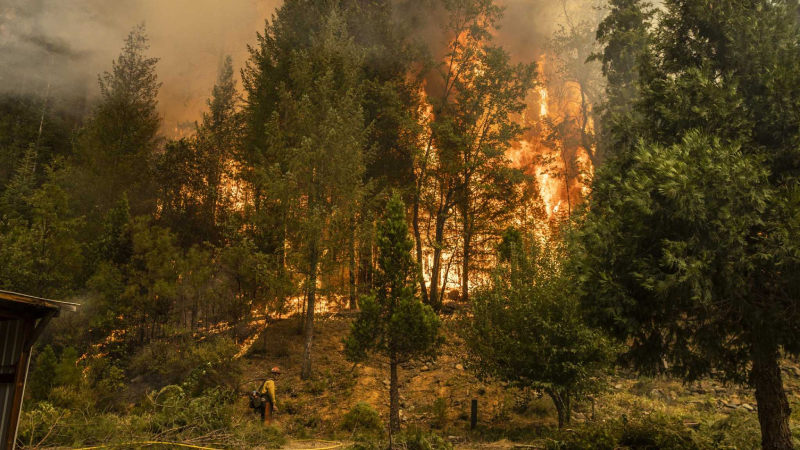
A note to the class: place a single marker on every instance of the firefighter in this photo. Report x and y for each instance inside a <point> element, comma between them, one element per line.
<point>264,399</point>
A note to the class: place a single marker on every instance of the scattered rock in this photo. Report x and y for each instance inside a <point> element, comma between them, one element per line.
<point>386,382</point>
<point>618,386</point>
<point>748,407</point>
<point>459,367</point>
<point>657,393</point>
<point>424,368</point>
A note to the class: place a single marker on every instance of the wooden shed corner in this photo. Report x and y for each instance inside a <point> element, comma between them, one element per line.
<point>22,320</point>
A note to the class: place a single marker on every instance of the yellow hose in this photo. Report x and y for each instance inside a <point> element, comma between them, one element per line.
<point>126,444</point>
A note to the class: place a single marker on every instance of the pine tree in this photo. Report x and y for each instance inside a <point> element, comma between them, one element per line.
<point>625,37</point>
<point>393,321</point>
<point>309,171</point>
<point>116,148</point>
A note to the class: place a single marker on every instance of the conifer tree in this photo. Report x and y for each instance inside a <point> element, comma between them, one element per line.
<point>116,149</point>
<point>691,234</point>
<point>394,323</point>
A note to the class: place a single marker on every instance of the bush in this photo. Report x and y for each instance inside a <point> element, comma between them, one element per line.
<point>655,432</point>
<point>439,409</point>
<point>738,431</point>
<point>196,367</point>
<point>364,422</point>
<point>172,408</point>
<point>417,439</point>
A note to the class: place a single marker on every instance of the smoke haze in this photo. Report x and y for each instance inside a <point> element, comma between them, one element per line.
<point>67,44</point>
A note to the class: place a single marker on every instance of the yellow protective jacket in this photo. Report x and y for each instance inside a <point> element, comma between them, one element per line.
<point>268,390</point>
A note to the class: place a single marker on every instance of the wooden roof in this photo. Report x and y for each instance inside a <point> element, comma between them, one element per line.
<point>12,301</point>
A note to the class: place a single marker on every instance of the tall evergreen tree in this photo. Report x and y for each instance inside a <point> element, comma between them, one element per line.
<point>393,321</point>
<point>624,35</point>
<point>692,229</point>
<point>116,149</point>
<point>312,164</point>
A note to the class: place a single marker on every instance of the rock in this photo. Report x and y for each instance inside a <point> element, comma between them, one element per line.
<point>618,386</point>
<point>579,417</point>
<point>424,368</point>
<point>728,405</point>
<point>720,390</point>
<point>748,407</point>
<point>459,367</point>
<point>386,382</point>
<point>735,401</point>
<point>796,371</point>
<point>657,393</point>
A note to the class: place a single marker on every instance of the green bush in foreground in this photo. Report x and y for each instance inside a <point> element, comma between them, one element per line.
<point>170,414</point>
<point>739,431</point>
<point>363,421</point>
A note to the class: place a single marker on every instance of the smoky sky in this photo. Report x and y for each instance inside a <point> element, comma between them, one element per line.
<point>67,43</point>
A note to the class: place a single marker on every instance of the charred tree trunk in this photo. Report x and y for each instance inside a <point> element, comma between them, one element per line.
<point>423,289</point>
<point>773,406</point>
<point>465,260</point>
<point>305,372</point>
<point>436,269</point>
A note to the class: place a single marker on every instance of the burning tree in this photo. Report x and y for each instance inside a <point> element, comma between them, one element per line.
<point>462,166</point>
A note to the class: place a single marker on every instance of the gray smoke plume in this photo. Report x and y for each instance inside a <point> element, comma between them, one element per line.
<point>68,43</point>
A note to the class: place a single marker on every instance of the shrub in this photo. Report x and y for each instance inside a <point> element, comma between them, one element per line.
<point>439,409</point>
<point>655,432</point>
<point>196,367</point>
<point>738,431</point>
<point>363,421</point>
<point>417,439</point>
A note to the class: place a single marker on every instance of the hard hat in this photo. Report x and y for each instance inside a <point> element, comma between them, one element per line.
<point>276,369</point>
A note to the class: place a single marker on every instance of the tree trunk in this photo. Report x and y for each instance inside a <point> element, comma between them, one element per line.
<point>467,234</point>
<point>437,261</point>
<point>305,372</point>
<point>465,261</point>
<point>423,289</point>
<point>394,400</point>
<point>560,407</point>
<point>773,406</point>
<point>353,266</point>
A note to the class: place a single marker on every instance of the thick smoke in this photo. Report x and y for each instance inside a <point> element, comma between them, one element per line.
<point>67,44</point>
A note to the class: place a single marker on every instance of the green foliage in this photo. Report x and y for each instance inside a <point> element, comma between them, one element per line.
<point>439,410</point>
<point>115,149</point>
<point>694,222</point>
<point>39,251</point>
<point>418,439</point>
<point>393,321</point>
<point>625,34</point>
<point>196,367</point>
<point>526,327</point>
<point>363,422</point>
<point>41,379</point>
